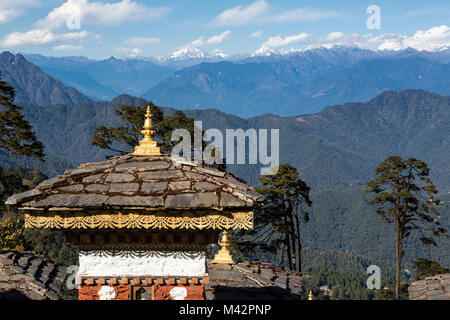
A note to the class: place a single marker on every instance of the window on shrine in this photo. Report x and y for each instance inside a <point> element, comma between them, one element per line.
<point>143,293</point>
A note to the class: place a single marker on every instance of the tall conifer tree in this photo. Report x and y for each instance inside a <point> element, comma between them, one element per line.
<point>278,221</point>
<point>16,135</point>
<point>404,195</point>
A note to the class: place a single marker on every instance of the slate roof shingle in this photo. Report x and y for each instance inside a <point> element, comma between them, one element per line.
<point>140,181</point>
<point>252,281</point>
<point>26,276</point>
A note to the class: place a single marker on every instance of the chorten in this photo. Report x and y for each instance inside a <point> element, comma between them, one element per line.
<point>141,221</point>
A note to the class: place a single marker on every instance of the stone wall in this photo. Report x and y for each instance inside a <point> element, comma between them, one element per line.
<point>431,288</point>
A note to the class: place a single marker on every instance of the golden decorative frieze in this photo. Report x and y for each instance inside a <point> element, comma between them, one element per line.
<point>153,220</point>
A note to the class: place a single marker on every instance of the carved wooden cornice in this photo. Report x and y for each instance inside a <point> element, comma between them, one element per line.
<point>138,239</point>
<point>71,220</point>
<point>143,280</point>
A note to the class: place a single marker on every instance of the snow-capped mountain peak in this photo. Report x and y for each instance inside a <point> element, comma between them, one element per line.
<point>265,51</point>
<point>188,53</point>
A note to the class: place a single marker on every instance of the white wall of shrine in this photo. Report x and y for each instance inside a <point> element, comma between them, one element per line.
<point>115,263</point>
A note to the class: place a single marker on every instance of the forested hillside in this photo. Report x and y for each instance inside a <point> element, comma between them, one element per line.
<point>342,220</point>
<point>337,148</point>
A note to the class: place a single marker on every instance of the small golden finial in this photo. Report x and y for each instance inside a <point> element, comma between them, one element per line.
<point>223,256</point>
<point>147,146</point>
<point>310,296</point>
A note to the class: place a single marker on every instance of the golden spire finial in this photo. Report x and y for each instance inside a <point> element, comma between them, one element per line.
<point>310,296</point>
<point>223,256</point>
<point>147,146</point>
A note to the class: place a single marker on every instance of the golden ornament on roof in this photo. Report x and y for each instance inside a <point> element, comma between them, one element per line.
<point>147,146</point>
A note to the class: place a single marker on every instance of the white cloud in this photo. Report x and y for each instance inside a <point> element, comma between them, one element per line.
<point>279,41</point>
<point>240,15</point>
<point>39,37</point>
<point>261,12</point>
<point>256,34</point>
<point>8,15</point>
<point>219,53</point>
<point>11,9</point>
<point>433,39</point>
<point>217,39</point>
<point>300,15</point>
<point>129,51</point>
<point>100,13</point>
<point>340,39</point>
<point>67,47</point>
<point>141,41</point>
<point>220,38</point>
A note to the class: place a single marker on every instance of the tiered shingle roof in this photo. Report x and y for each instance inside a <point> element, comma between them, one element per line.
<point>139,182</point>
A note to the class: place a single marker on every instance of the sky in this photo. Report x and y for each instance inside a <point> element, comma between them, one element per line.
<point>99,29</point>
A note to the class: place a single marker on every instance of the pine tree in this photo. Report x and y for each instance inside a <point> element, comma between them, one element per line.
<point>427,268</point>
<point>16,135</point>
<point>124,138</point>
<point>277,223</point>
<point>404,195</point>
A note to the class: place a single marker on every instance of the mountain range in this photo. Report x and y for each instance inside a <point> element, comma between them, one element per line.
<point>283,84</point>
<point>299,83</point>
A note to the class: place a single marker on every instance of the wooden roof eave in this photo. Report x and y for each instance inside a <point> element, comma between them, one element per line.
<point>73,219</point>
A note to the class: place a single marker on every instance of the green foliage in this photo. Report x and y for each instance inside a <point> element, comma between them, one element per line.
<point>18,179</point>
<point>127,136</point>
<point>389,293</point>
<point>52,245</point>
<point>164,129</point>
<point>11,231</point>
<point>400,198</point>
<point>427,268</point>
<point>68,294</point>
<point>343,220</point>
<point>277,222</point>
<point>16,135</point>
<point>410,205</point>
<point>13,236</point>
<point>343,272</point>
<point>44,242</point>
<point>123,139</point>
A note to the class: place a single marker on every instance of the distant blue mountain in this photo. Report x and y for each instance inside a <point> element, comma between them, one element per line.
<point>32,85</point>
<point>282,84</point>
<point>103,79</point>
<point>303,82</point>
